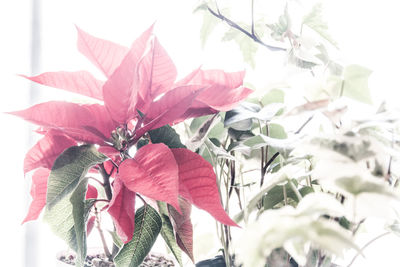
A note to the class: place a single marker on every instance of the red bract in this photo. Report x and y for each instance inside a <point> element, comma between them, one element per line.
<point>139,94</point>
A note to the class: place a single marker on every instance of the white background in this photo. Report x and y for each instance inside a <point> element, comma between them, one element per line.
<point>367,32</point>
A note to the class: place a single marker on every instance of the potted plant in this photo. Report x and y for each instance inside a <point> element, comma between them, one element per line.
<point>116,155</point>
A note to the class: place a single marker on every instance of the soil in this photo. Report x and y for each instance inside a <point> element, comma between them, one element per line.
<point>100,260</point>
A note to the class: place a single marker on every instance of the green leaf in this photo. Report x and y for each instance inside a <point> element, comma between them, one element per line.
<point>273,96</point>
<point>247,46</point>
<point>218,152</point>
<point>167,232</point>
<point>315,22</point>
<point>166,135</point>
<point>68,169</point>
<point>62,223</point>
<point>201,134</point>
<point>147,227</point>
<point>275,195</point>
<point>357,185</point>
<point>355,79</point>
<point>80,211</point>
<point>209,24</point>
<point>116,239</point>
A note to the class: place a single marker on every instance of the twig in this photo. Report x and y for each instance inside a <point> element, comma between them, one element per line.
<point>252,17</point>
<point>366,245</point>
<point>270,162</point>
<point>239,28</point>
<point>141,198</point>
<point>95,179</point>
<point>304,125</point>
<point>103,240</point>
<point>295,190</point>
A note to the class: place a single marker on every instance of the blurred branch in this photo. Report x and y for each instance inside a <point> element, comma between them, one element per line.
<point>251,35</point>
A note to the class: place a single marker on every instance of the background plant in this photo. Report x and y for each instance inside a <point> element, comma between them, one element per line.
<point>288,149</point>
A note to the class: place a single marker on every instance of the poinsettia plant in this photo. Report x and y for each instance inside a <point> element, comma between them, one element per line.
<point>125,136</point>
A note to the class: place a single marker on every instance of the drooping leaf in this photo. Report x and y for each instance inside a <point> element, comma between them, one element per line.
<point>167,231</point>
<point>166,135</point>
<point>46,150</point>
<point>241,117</point>
<point>183,227</point>
<point>122,210</point>
<point>147,227</point>
<point>68,169</point>
<point>61,221</point>
<point>80,82</point>
<point>103,54</point>
<point>120,90</point>
<point>201,134</point>
<point>80,213</point>
<point>153,172</point>
<point>38,193</point>
<point>197,184</point>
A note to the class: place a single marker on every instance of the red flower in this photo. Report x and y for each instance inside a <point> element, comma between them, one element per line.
<point>139,94</point>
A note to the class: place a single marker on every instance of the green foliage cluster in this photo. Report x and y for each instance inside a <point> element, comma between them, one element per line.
<point>301,195</point>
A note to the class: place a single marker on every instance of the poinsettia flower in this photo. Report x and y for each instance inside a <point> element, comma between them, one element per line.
<point>137,77</point>
<point>140,93</point>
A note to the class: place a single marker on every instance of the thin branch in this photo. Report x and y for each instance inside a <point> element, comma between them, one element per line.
<point>95,179</point>
<point>366,245</point>
<point>295,190</point>
<point>103,240</point>
<point>141,198</point>
<point>239,28</point>
<point>304,124</point>
<point>252,17</point>
<point>270,162</point>
<point>102,200</point>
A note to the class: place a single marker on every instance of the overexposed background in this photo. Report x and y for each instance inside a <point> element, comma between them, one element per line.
<point>39,35</point>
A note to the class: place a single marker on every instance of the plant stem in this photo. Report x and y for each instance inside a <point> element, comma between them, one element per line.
<point>295,190</point>
<point>366,245</point>
<point>304,124</point>
<point>285,195</point>
<point>103,240</point>
<point>252,17</point>
<point>97,180</point>
<point>108,191</point>
<point>106,178</point>
<point>239,28</point>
